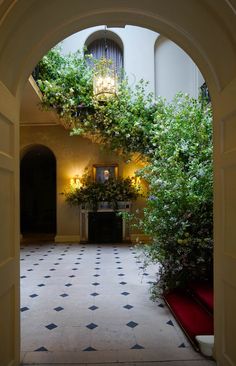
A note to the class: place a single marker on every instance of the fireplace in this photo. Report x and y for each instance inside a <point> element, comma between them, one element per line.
<point>104,225</point>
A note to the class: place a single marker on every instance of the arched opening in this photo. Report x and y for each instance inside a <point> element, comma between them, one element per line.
<point>38,192</point>
<point>99,40</point>
<point>100,239</point>
<point>175,71</point>
<point>217,62</point>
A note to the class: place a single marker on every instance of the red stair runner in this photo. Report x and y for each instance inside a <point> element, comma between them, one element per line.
<point>190,314</point>
<point>204,292</point>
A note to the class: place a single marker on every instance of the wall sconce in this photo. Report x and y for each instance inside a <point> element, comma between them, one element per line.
<point>75,182</point>
<point>136,181</point>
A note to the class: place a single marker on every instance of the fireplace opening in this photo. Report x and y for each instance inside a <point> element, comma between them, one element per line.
<point>104,227</point>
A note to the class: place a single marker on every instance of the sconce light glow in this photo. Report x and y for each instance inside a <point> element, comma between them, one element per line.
<point>75,182</point>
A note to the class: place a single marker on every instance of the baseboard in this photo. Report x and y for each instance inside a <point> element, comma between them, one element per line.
<point>139,238</point>
<point>67,238</point>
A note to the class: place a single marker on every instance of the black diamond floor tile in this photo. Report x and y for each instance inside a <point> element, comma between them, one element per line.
<point>91,326</point>
<point>123,283</point>
<point>33,295</point>
<point>64,295</point>
<point>51,326</point>
<point>89,349</point>
<point>94,294</point>
<point>125,293</point>
<point>132,324</point>
<point>137,346</point>
<point>41,349</point>
<point>128,306</point>
<point>58,308</point>
<point>93,307</point>
<point>41,285</point>
<point>25,308</point>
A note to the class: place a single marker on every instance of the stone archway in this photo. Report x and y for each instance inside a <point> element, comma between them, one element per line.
<point>206,31</point>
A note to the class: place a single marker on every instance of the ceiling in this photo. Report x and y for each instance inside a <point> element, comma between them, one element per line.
<point>31,113</point>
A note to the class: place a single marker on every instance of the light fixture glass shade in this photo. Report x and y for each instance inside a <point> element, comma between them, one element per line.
<point>104,81</point>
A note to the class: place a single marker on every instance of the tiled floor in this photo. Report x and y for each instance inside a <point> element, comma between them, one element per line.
<point>89,304</point>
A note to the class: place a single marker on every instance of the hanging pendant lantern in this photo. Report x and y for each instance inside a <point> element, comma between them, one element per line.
<point>105,78</point>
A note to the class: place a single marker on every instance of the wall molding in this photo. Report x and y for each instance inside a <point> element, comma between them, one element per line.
<point>67,238</point>
<point>139,238</point>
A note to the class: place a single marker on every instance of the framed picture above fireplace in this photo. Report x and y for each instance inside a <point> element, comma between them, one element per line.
<point>103,172</point>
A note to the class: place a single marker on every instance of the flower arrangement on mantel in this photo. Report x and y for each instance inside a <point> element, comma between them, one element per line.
<point>91,193</point>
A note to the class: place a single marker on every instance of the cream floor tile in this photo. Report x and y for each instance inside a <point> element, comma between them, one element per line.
<point>87,270</point>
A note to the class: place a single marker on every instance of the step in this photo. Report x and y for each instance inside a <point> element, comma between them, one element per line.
<point>206,344</point>
<point>203,291</point>
<point>191,316</point>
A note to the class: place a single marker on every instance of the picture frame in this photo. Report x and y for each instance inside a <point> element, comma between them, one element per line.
<point>103,172</point>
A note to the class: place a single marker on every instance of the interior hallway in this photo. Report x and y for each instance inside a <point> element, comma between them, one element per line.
<point>89,304</point>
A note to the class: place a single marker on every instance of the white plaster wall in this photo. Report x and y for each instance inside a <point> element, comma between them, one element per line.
<point>138,50</point>
<point>175,71</point>
<point>151,57</point>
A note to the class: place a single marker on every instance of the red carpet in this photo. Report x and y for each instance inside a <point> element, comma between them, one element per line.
<point>193,309</point>
<point>204,292</point>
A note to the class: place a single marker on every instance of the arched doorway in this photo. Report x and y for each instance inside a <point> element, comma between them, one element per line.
<point>38,191</point>
<point>204,29</point>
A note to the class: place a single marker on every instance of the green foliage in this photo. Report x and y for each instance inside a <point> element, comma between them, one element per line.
<point>174,139</point>
<point>124,122</point>
<point>112,191</point>
<point>179,209</point>
<point>66,84</point>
